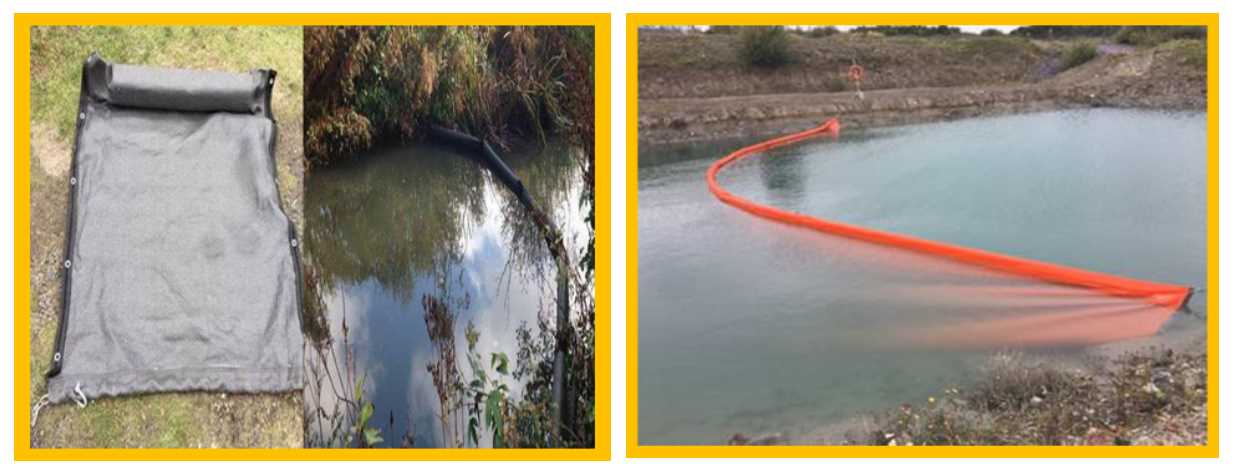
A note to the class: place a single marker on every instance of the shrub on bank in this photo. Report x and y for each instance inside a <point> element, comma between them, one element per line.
<point>765,46</point>
<point>1078,54</point>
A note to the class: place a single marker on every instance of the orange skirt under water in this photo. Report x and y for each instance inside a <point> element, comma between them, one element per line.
<point>1141,309</point>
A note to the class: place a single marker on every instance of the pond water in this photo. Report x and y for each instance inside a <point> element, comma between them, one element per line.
<point>749,326</point>
<point>399,224</point>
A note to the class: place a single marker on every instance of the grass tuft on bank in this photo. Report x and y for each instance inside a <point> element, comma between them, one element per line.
<point>1078,54</point>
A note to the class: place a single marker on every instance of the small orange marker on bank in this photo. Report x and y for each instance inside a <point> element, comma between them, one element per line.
<point>855,74</point>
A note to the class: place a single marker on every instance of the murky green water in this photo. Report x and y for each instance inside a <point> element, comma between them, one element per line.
<point>400,223</point>
<point>750,326</point>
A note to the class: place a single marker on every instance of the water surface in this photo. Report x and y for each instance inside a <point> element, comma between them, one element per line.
<point>400,223</point>
<point>749,326</point>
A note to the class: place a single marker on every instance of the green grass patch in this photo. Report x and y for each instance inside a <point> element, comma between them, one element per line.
<point>57,54</point>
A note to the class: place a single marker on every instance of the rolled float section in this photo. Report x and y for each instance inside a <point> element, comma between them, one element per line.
<point>137,86</point>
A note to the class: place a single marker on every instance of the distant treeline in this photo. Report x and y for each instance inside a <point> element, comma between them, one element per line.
<point>1134,35</point>
<point>1063,32</point>
<point>940,30</point>
<point>364,84</point>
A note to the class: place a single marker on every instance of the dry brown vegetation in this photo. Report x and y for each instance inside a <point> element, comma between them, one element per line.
<point>1157,397</point>
<point>368,83</point>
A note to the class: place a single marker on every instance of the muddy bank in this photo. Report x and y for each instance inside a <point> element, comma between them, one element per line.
<point>705,99</point>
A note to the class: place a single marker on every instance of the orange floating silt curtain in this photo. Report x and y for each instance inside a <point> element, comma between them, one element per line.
<point>1122,307</point>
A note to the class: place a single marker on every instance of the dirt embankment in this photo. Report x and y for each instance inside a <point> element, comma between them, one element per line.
<point>693,86</point>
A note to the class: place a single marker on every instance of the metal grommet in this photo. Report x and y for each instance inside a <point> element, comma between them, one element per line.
<point>68,264</point>
<point>81,115</point>
<point>72,181</point>
<point>294,243</point>
<point>56,358</point>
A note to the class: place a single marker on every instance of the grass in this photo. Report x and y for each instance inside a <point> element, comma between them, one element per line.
<point>161,420</point>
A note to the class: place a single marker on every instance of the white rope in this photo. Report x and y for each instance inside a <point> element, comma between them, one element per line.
<point>42,402</point>
<point>80,397</point>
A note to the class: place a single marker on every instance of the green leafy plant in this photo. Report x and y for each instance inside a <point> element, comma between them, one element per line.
<point>488,395</point>
<point>365,436</point>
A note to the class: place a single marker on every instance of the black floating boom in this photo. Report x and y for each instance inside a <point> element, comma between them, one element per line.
<point>471,145</point>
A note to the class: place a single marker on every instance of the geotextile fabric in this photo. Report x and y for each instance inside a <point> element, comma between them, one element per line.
<point>181,268</point>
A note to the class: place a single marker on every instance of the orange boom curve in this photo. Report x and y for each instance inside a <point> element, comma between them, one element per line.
<point>1160,300</point>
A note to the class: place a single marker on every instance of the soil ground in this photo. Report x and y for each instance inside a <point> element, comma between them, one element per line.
<point>693,86</point>
<point>158,420</point>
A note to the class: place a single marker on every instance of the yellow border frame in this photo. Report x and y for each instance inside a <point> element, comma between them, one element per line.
<point>634,20</point>
<point>21,235</point>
